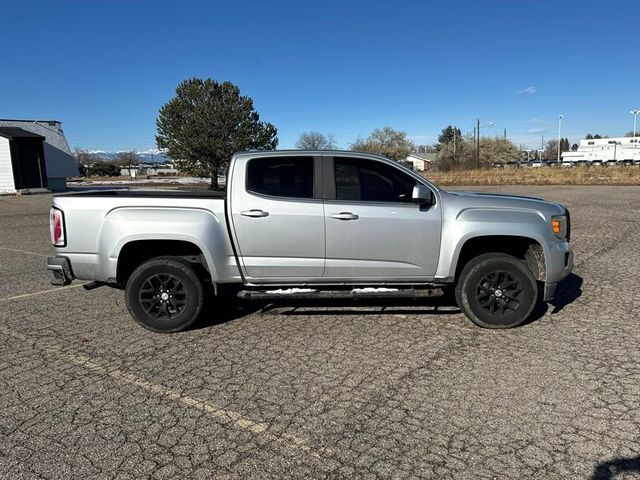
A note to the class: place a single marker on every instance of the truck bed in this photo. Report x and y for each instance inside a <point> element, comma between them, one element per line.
<point>99,222</point>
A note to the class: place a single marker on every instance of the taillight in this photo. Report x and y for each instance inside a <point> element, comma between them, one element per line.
<point>56,226</point>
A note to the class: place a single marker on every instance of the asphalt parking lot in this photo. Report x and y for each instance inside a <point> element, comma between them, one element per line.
<point>353,391</point>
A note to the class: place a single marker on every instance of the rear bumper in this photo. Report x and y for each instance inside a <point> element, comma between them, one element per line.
<point>60,269</point>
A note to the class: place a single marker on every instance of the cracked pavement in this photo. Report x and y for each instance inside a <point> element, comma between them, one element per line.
<point>325,391</point>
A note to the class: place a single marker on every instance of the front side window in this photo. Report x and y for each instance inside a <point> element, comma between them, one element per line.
<point>370,181</point>
<point>281,176</point>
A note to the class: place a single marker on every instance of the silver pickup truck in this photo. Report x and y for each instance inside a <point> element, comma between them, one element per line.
<point>309,225</point>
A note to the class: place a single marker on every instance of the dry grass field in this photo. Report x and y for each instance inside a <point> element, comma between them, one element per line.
<point>539,176</point>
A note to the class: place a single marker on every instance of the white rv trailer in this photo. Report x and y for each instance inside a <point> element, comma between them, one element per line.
<point>605,150</point>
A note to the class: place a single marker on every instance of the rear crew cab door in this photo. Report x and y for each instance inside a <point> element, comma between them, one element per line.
<point>277,217</point>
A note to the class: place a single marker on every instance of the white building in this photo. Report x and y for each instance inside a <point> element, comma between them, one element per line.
<point>618,150</point>
<point>159,169</point>
<point>34,154</point>
<point>421,162</point>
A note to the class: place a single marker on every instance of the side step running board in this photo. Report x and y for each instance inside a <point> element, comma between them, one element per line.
<point>356,293</point>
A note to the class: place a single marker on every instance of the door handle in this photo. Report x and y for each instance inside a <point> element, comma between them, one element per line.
<point>255,213</point>
<point>345,216</point>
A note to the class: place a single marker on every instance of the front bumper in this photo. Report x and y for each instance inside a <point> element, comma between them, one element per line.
<point>560,267</point>
<point>61,271</point>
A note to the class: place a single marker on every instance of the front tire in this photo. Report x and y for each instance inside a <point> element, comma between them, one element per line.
<point>496,290</point>
<point>164,295</point>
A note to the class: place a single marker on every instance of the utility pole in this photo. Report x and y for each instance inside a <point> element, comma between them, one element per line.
<point>478,145</point>
<point>560,117</point>
<point>635,114</point>
<point>454,144</point>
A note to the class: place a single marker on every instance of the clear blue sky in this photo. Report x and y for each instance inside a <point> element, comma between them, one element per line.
<point>105,67</point>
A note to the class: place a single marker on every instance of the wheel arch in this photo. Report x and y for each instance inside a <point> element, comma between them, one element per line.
<point>526,248</point>
<point>135,252</point>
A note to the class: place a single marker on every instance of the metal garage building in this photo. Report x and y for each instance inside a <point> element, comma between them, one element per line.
<point>34,154</point>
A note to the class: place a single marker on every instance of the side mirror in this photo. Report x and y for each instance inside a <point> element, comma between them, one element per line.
<point>422,195</point>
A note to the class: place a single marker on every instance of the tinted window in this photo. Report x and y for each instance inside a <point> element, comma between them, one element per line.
<point>281,176</point>
<point>371,181</point>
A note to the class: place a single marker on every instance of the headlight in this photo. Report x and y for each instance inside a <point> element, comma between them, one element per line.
<point>559,226</point>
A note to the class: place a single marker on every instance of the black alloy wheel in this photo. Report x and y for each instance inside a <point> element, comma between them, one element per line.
<point>496,290</point>
<point>165,294</point>
<point>499,292</point>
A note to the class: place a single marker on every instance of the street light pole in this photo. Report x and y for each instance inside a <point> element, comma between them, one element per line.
<point>635,114</point>
<point>559,133</point>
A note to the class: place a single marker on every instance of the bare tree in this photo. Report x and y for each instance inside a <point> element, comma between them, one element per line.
<point>127,159</point>
<point>491,150</point>
<point>551,150</point>
<point>84,157</point>
<point>391,143</point>
<point>315,141</point>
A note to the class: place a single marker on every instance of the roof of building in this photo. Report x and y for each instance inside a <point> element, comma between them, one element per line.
<point>427,157</point>
<point>50,122</point>
<point>51,130</point>
<point>15,132</point>
<point>57,154</point>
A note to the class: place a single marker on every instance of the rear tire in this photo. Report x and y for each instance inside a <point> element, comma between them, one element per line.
<point>164,295</point>
<point>496,290</point>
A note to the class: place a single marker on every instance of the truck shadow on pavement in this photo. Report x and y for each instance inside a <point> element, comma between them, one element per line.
<point>568,291</point>
<point>618,466</point>
<point>219,313</point>
<point>230,310</point>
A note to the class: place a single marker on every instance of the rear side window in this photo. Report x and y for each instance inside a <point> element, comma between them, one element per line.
<point>371,181</point>
<point>281,176</point>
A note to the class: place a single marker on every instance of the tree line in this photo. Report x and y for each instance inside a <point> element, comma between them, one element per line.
<point>91,164</point>
<point>207,121</point>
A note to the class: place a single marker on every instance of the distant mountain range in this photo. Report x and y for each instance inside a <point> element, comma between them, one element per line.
<point>146,156</point>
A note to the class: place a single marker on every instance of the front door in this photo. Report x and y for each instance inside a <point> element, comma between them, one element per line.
<point>278,217</point>
<point>374,232</point>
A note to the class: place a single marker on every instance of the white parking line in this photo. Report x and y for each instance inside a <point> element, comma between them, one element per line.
<point>226,416</point>
<point>24,251</point>
<point>26,295</point>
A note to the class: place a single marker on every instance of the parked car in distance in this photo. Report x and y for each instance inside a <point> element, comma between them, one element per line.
<point>312,225</point>
<point>497,164</point>
<point>535,163</point>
